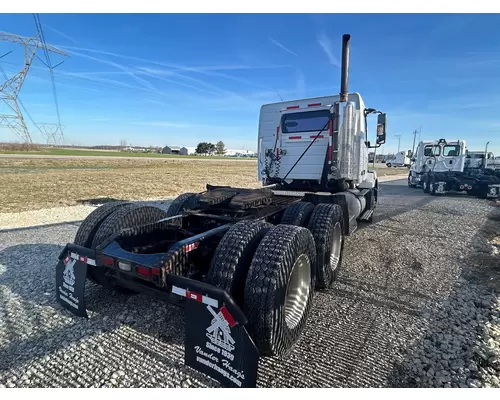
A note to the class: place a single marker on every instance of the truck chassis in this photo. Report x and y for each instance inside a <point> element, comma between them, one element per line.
<point>484,184</point>
<point>243,262</point>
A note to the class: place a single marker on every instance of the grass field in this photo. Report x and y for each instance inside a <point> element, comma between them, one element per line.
<point>101,153</point>
<point>30,184</point>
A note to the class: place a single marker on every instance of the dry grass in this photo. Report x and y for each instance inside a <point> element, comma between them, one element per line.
<point>31,184</point>
<point>20,147</point>
<point>35,184</point>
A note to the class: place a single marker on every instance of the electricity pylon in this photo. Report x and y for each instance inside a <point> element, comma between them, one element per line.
<point>9,90</point>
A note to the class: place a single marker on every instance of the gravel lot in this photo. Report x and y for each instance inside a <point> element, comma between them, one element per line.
<point>415,305</point>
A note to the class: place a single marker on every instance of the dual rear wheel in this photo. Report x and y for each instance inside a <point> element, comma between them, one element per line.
<point>272,270</point>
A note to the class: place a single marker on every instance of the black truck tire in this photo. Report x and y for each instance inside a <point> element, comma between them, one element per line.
<point>279,288</point>
<point>87,230</point>
<point>326,226</point>
<point>85,234</point>
<point>185,201</point>
<point>125,217</point>
<point>298,214</point>
<point>231,261</point>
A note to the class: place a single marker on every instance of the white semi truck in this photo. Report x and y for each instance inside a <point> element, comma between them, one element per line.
<point>442,166</point>
<point>402,159</point>
<point>243,262</point>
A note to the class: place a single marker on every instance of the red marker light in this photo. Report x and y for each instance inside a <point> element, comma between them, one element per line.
<point>143,271</point>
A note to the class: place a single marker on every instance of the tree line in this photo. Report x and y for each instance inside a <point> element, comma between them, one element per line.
<point>207,148</point>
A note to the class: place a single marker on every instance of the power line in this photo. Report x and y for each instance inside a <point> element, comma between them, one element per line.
<point>59,131</point>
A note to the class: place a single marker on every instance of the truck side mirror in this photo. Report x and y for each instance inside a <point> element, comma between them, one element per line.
<point>381,128</point>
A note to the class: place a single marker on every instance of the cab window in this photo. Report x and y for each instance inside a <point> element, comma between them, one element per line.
<point>451,150</point>
<point>308,121</point>
<point>430,151</point>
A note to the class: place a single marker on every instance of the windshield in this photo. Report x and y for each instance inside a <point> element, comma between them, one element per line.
<point>308,121</point>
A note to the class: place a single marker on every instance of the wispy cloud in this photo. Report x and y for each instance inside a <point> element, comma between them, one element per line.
<point>61,34</point>
<point>282,46</point>
<point>200,69</point>
<point>327,46</point>
<point>175,71</point>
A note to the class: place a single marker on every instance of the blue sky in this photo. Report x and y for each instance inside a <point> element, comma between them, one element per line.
<point>180,79</point>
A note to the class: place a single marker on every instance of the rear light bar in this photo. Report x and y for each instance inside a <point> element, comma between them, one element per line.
<point>300,137</point>
<point>124,266</point>
<point>309,105</point>
<point>107,260</point>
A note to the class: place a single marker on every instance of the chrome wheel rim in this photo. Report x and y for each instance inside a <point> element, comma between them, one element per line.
<point>336,246</point>
<point>297,292</point>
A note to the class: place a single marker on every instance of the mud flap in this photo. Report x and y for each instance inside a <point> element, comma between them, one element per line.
<point>216,341</point>
<point>71,273</point>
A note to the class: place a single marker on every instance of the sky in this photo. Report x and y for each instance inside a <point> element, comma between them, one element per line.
<point>160,79</point>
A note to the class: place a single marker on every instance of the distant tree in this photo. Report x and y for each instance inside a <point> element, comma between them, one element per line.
<point>202,148</point>
<point>220,148</point>
<point>205,148</point>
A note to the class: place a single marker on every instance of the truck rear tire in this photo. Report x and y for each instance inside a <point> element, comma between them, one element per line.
<point>87,230</point>
<point>127,216</point>
<point>326,226</point>
<point>279,288</point>
<point>186,201</point>
<point>231,261</point>
<point>297,214</point>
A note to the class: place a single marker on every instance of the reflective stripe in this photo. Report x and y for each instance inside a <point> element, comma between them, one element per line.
<point>84,259</point>
<point>195,296</point>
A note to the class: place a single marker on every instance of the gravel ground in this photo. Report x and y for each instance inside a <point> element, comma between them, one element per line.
<point>416,304</point>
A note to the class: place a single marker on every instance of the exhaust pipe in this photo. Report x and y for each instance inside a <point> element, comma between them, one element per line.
<point>344,79</point>
<point>485,162</point>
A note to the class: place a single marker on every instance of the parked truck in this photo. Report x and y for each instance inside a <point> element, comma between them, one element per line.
<point>243,262</point>
<point>482,159</point>
<point>401,159</point>
<point>443,166</point>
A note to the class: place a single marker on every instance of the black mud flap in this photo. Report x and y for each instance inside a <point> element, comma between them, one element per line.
<point>71,273</point>
<point>216,341</point>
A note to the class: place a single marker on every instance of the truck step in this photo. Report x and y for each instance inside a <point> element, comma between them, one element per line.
<point>366,216</point>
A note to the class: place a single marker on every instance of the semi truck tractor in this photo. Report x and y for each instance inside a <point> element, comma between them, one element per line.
<point>443,166</point>
<point>244,263</point>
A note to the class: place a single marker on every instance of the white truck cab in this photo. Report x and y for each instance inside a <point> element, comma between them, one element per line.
<point>402,159</point>
<point>301,141</point>
<point>437,156</point>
